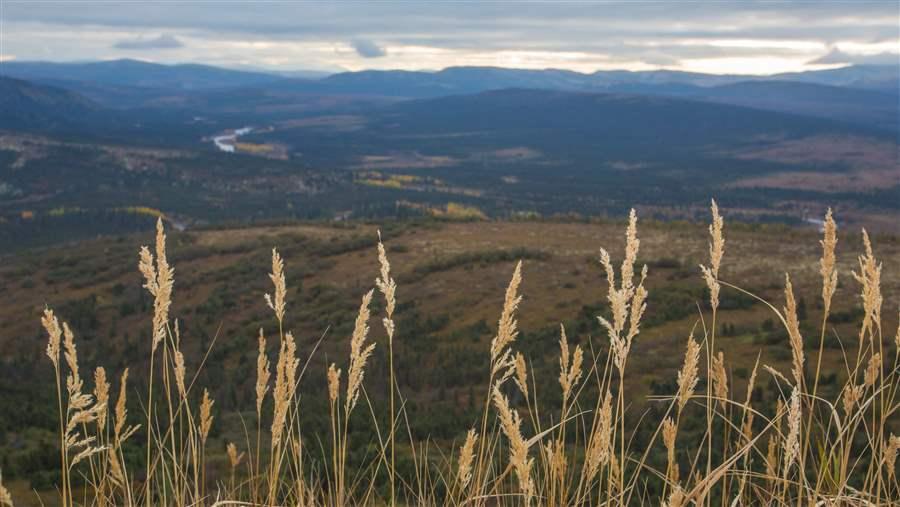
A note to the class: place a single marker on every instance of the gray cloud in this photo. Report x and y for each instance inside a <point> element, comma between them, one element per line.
<point>570,21</point>
<point>836,56</point>
<point>160,42</point>
<point>430,34</point>
<point>368,49</point>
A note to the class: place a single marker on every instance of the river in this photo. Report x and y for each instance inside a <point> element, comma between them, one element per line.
<point>225,142</point>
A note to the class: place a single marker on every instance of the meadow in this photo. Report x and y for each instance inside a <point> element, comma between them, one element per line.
<point>455,363</point>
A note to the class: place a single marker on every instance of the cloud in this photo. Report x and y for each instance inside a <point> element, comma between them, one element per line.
<point>836,56</point>
<point>368,49</point>
<point>140,43</point>
<point>583,36</point>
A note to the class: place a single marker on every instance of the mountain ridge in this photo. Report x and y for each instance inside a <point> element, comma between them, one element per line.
<point>130,72</point>
<point>200,76</point>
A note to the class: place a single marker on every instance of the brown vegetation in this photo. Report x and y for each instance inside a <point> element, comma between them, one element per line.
<point>584,445</point>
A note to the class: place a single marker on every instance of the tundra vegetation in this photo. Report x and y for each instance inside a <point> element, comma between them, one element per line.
<point>785,433</point>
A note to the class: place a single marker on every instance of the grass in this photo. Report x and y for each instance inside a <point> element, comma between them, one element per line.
<point>708,435</point>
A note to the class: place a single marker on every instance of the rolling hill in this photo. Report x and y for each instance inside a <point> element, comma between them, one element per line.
<point>617,117</point>
<point>866,107</point>
<point>136,73</point>
<point>26,105</point>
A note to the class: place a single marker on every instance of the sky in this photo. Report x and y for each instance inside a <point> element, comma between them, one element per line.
<point>720,37</point>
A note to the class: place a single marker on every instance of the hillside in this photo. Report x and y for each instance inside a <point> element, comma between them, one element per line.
<point>26,105</point>
<point>865,107</point>
<point>616,117</point>
<point>136,73</point>
<point>874,77</point>
<point>451,278</point>
<point>559,152</point>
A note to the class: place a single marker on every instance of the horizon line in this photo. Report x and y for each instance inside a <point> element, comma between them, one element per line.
<point>272,71</point>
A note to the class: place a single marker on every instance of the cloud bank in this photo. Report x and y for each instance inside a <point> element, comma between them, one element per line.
<point>716,36</point>
<point>140,44</point>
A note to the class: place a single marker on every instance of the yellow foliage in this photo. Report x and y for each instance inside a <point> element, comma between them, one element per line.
<point>253,147</point>
<point>143,210</point>
<point>457,210</point>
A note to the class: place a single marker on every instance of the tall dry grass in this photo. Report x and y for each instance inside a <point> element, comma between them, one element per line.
<point>808,450</point>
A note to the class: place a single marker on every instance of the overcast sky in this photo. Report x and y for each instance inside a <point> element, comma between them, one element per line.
<point>728,36</point>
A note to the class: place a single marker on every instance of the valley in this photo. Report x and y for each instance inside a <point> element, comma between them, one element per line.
<point>249,149</point>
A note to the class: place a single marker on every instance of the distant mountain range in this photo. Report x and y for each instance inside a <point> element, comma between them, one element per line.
<point>858,94</point>
<point>460,80</point>
<point>870,107</point>
<point>452,80</point>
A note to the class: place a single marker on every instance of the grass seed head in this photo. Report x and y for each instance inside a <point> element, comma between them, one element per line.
<point>521,374</point>
<point>54,332</point>
<point>720,379</point>
<point>466,457</point>
<point>121,411</point>
<point>717,240</point>
<point>569,364</point>
<point>262,373</point>
<point>506,327</point>
<point>792,440</point>
<point>334,382</point>
<point>388,289</point>
<point>285,376</point>
<point>101,397</point>
<point>180,374</point>
<point>158,280</point>
<point>599,445</point>
<point>234,458</point>
<point>869,277</point>
<point>873,370</point>
<point>670,433</point>
<point>70,352</point>
<point>277,302</point>
<point>206,416</point>
<point>827,263</point>
<point>511,425</point>
<point>716,252</point>
<point>687,377</point>
<point>359,353</point>
<point>115,468</point>
<point>892,446</point>
<point>793,328</point>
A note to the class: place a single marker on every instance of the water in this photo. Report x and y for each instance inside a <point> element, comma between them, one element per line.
<point>225,142</point>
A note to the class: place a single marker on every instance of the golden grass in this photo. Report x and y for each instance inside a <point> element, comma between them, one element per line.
<point>806,451</point>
